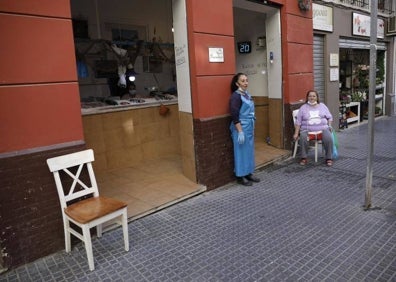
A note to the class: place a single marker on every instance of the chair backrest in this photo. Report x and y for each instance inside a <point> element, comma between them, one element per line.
<point>295,112</point>
<point>77,161</point>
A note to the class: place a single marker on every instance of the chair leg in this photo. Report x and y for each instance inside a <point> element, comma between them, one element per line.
<point>99,229</point>
<point>295,148</point>
<point>66,229</point>
<point>124,220</point>
<point>88,246</point>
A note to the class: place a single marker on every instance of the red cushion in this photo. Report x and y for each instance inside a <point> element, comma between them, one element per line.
<point>316,136</point>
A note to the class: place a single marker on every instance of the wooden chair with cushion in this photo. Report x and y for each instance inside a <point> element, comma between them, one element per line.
<point>81,203</point>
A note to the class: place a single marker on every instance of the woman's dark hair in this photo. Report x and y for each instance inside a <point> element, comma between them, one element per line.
<point>234,80</point>
<point>316,93</point>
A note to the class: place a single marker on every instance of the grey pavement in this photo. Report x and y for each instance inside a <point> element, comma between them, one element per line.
<point>298,224</point>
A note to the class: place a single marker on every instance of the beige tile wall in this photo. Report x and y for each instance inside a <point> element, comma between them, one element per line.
<point>187,145</point>
<point>261,111</point>
<point>125,138</point>
<point>269,120</point>
<point>275,124</point>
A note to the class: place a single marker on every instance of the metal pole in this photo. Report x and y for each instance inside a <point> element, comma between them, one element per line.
<point>371,110</point>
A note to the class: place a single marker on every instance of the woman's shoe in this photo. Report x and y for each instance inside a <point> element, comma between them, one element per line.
<point>252,178</point>
<point>244,181</point>
<point>329,162</point>
<point>303,161</point>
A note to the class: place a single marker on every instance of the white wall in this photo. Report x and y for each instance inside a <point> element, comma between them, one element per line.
<point>248,26</point>
<point>253,20</point>
<point>274,45</point>
<point>181,56</point>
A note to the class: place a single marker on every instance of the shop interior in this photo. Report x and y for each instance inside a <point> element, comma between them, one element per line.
<point>354,85</point>
<point>126,58</point>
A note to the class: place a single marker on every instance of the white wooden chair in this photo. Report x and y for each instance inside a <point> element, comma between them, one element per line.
<point>314,136</point>
<point>90,211</point>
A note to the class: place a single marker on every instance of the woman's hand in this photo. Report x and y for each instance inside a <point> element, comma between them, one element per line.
<point>241,137</point>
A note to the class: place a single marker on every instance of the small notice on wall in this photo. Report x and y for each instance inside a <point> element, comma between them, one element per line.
<point>334,76</point>
<point>333,59</point>
<point>216,55</point>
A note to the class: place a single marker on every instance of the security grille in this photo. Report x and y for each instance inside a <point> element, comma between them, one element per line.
<point>318,67</point>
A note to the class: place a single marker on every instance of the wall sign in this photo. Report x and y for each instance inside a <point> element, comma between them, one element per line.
<point>334,74</point>
<point>361,25</point>
<point>322,17</point>
<point>333,59</point>
<point>216,55</point>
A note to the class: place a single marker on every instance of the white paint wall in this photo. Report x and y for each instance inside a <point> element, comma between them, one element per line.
<point>248,26</point>
<point>274,45</point>
<point>181,56</point>
<point>254,20</point>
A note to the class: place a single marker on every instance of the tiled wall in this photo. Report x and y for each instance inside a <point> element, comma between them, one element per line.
<point>30,215</point>
<point>125,138</point>
<point>275,117</point>
<point>268,118</point>
<point>187,145</point>
<point>214,152</point>
<point>262,120</point>
<point>39,111</point>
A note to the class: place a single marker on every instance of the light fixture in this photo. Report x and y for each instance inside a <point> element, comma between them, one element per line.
<point>304,5</point>
<point>130,73</point>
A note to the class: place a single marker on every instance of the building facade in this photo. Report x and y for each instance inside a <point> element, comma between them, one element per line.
<point>342,58</point>
<point>41,117</point>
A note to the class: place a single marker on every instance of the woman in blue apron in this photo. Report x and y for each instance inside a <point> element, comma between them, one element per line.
<point>242,130</point>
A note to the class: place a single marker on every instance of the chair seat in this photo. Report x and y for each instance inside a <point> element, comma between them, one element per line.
<point>315,135</point>
<point>92,208</point>
<point>315,132</point>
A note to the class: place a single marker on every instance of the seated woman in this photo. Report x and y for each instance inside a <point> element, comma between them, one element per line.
<point>314,116</point>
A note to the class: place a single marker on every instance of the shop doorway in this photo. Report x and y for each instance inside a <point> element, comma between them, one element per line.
<point>254,27</point>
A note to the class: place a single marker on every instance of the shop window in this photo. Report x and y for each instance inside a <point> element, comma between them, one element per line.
<point>124,35</point>
<point>80,29</point>
<point>354,84</point>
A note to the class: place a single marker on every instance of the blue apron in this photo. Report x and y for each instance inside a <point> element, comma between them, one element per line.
<point>244,153</point>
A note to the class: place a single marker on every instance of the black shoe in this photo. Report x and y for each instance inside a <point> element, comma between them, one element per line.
<point>252,178</point>
<point>244,181</point>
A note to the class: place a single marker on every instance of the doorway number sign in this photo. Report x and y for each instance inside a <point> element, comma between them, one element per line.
<point>244,47</point>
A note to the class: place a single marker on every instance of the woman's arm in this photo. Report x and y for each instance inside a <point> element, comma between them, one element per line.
<point>328,116</point>
<point>235,106</point>
<point>238,127</point>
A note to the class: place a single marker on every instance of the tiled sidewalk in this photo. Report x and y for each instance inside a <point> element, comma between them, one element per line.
<point>297,224</point>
